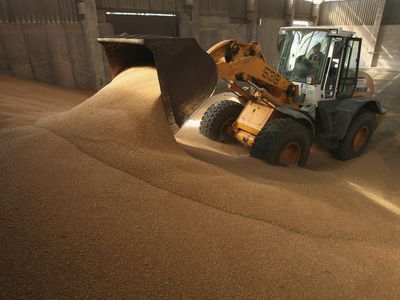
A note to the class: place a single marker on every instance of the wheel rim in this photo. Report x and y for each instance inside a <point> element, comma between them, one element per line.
<point>226,132</point>
<point>360,138</point>
<point>290,155</point>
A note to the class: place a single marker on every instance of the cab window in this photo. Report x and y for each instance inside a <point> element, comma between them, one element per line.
<point>304,55</point>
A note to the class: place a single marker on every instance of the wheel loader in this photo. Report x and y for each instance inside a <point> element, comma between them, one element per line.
<point>316,94</point>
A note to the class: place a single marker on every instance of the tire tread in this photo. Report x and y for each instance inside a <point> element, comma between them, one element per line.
<point>210,122</point>
<point>266,142</point>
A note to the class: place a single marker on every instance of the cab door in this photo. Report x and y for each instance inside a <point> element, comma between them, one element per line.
<point>348,74</point>
<point>333,67</point>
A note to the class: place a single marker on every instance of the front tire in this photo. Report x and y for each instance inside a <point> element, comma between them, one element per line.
<point>283,141</point>
<point>218,119</point>
<point>357,137</point>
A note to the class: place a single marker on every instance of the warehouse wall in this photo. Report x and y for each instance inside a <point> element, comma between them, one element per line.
<point>42,52</point>
<point>219,20</point>
<point>207,20</point>
<point>388,48</point>
<point>388,45</point>
<point>50,41</point>
<point>368,42</point>
<point>36,39</point>
<point>47,40</point>
<point>303,10</point>
<point>360,16</point>
<point>210,21</point>
<point>272,15</point>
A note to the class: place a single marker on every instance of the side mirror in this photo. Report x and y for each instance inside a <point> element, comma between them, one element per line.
<point>280,42</point>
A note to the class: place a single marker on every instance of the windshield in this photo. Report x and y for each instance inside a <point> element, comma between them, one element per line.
<point>304,55</point>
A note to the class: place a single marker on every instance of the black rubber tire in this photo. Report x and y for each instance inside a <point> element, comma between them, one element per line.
<point>217,117</point>
<point>276,135</point>
<point>345,149</point>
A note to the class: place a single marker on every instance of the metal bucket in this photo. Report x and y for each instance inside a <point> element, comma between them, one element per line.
<point>186,73</point>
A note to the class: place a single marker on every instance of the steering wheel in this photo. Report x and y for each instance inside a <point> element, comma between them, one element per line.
<point>303,60</point>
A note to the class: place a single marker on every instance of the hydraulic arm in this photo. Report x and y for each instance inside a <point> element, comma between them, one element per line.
<point>244,62</point>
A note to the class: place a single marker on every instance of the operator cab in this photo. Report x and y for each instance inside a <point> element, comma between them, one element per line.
<point>323,61</point>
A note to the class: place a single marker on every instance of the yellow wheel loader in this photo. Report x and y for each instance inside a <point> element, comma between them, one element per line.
<point>317,93</point>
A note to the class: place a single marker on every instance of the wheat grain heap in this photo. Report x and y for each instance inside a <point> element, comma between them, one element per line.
<point>101,201</point>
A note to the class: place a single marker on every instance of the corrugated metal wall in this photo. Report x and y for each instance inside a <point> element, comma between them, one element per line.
<point>271,8</point>
<point>36,38</point>
<point>232,8</point>
<point>214,8</point>
<point>349,12</point>
<point>391,14</point>
<point>153,5</point>
<point>235,9</point>
<point>33,11</point>
<point>303,10</point>
<point>277,9</point>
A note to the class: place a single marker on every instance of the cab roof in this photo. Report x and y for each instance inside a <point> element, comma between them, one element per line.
<point>333,30</point>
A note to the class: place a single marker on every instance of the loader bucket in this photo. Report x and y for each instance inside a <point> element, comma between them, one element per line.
<point>186,73</point>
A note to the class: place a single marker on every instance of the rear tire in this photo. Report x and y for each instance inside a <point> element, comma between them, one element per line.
<point>357,137</point>
<point>218,118</point>
<point>283,141</point>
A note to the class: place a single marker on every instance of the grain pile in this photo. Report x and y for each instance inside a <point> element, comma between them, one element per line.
<point>101,201</point>
<point>22,102</point>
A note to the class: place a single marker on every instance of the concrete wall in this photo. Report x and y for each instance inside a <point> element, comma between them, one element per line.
<point>63,50</point>
<point>388,48</point>
<point>52,53</point>
<point>214,29</point>
<point>267,36</point>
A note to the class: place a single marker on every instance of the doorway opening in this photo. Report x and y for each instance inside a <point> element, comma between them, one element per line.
<point>149,23</point>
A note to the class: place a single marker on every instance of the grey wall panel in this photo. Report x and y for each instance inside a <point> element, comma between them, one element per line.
<point>303,10</point>
<point>208,37</point>
<point>82,71</point>
<point>4,67</point>
<point>349,12</point>
<point>237,10</point>
<point>156,4</point>
<point>43,40</point>
<point>53,53</point>
<point>138,4</point>
<point>208,7</point>
<point>169,5</point>
<point>276,9</point>
<point>141,5</point>
<point>271,8</point>
<point>267,36</point>
<point>233,31</point>
<point>388,48</point>
<point>180,5</point>
<point>37,47</point>
<point>215,7</point>
<point>391,14</point>
<point>3,12</point>
<point>15,51</point>
<point>59,55</point>
<point>35,11</point>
